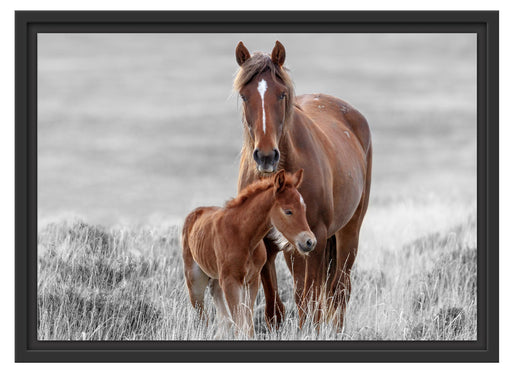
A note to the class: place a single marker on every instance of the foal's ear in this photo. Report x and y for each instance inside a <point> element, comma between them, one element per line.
<point>242,53</point>
<point>279,181</point>
<point>278,54</point>
<point>298,176</point>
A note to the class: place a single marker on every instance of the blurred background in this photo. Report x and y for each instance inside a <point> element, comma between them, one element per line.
<point>139,129</point>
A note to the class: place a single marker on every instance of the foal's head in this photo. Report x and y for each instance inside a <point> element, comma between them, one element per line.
<point>288,216</point>
<point>267,94</point>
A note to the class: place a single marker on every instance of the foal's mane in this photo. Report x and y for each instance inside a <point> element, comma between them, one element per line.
<point>249,191</point>
<point>255,188</point>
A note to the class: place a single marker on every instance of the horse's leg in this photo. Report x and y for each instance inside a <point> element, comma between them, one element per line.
<point>235,293</point>
<point>347,242</point>
<point>314,284</point>
<point>196,280</point>
<point>297,265</point>
<point>340,286</point>
<point>274,308</point>
<point>252,293</point>
<point>308,273</point>
<point>245,309</point>
<point>224,322</point>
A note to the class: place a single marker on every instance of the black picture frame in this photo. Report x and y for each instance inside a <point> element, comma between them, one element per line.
<point>29,23</point>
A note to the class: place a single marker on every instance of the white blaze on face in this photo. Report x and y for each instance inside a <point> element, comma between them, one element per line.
<point>262,88</point>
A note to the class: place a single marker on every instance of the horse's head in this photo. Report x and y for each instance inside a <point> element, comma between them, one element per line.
<point>267,94</point>
<point>288,215</point>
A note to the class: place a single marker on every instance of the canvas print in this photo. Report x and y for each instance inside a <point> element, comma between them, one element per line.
<point>257,187</point>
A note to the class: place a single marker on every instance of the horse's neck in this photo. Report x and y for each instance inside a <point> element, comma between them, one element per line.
<point>294,127</point>
<point>254,215</point>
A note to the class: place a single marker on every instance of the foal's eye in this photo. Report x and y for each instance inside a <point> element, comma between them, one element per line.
<point>243,98</point>
<point>288,212</point>
<point>282,96</point>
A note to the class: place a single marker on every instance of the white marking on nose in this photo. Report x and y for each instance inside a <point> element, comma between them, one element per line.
<point>262,88</point>
<point>302,237</point>
<point>347,133</point>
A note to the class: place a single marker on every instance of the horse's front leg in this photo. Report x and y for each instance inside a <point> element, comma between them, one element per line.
<point>308,273</point>
<point>274,307</point>
<point>237,298</point>
<point>223,317</point>
<point>253,286</point>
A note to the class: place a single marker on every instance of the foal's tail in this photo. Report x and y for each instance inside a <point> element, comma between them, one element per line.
<point>187,227</point>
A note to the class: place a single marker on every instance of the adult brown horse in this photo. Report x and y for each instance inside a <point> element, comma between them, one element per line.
<point>331,141</point>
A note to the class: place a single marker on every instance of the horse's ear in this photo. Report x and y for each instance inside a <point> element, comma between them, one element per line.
<point>242,54</point>
<point>278,54</point>
<point>298,176</point>
<point>279,181</point>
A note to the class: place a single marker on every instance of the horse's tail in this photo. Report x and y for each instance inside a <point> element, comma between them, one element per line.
<point>187,228</point>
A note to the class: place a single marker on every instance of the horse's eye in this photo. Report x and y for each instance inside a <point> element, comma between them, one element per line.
<point>243,98</point>
<point>282,96</point>
<point>288,212</point>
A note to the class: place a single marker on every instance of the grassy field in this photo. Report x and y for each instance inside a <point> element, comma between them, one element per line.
<point>134,131</point>
<point>125,284</point>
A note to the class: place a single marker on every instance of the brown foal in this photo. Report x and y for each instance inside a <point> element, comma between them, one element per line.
<point>224,246</point>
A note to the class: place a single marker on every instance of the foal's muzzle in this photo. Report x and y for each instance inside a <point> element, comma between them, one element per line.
<point>305,242</point>
<point>267,162</point>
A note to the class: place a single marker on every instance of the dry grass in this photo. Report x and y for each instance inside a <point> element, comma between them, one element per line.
<point>127,284</point>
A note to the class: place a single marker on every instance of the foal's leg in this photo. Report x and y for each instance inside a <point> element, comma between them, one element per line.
<point>238,304</point>
<point>252,292</point>
<point>223,318</point>
<point>197,281</point>
<point>274,307</point>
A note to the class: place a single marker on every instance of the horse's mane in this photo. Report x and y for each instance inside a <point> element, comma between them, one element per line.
<point>253,189</point>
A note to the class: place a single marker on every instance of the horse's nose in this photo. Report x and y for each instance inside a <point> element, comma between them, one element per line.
<point>276,156</point>
<point>310,244</point>
<point>306,243</point>
<point>256,155</point>
<point>266,158</point>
